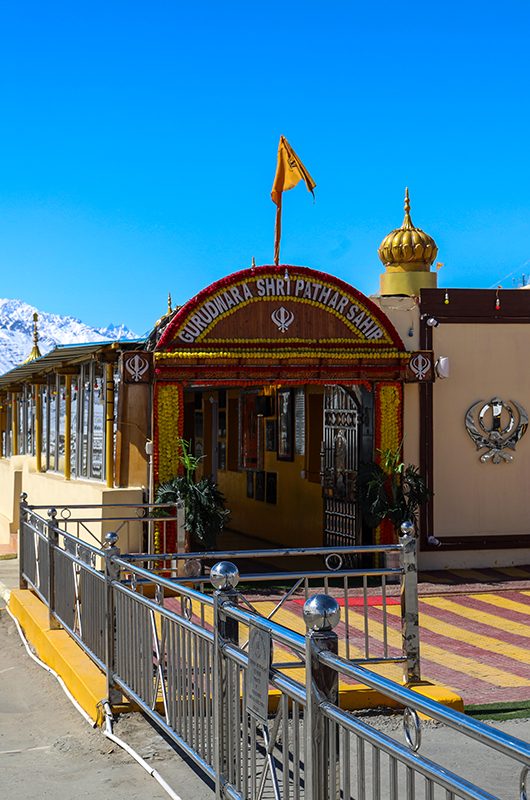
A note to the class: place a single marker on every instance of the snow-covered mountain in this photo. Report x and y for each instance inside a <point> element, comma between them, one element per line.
<point>16,332</point>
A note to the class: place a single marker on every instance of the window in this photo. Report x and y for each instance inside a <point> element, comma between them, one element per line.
<point>88,423</point>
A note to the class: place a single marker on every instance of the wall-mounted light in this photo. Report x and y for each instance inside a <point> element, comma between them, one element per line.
<point>432,322</point>
<point>442,367</point>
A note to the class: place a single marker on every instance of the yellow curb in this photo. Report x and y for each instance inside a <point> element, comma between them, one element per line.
<point>58,650</point>
<point>357,697</point>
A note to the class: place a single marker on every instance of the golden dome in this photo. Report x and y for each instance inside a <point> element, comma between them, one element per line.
<point>407,248</point>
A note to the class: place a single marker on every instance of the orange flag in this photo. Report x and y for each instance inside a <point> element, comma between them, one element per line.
<point>289,172</point>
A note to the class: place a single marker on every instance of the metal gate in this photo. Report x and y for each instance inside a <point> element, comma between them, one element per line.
<point>339,465</point>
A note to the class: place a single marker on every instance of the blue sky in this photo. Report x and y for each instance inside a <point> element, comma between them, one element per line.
<point>138,143</point>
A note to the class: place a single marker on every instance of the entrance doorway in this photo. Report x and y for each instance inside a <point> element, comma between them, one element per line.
<point>339,466</point>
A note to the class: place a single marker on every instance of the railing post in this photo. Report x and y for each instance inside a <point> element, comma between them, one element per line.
<point>321,615</point>
<point>112,573</point>
<point>53,542</point>
<point>409,605</point>
<point>22,519</point>
<point>224,577</point>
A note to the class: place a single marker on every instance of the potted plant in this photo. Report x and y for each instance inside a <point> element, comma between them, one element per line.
<point>391,490</point>
<point>204,504</point>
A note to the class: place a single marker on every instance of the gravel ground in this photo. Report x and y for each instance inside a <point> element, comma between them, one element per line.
<point>47,750</point>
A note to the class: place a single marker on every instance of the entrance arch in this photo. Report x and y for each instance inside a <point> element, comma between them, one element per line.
<point>266,330</point>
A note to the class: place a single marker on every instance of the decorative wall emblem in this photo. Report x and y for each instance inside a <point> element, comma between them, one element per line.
<point>496,426</point>
<point>136,367</point>
<point>420,367</point>
<point>282,318</point>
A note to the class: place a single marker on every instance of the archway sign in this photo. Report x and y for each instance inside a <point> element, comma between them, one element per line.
<point>279,321</point>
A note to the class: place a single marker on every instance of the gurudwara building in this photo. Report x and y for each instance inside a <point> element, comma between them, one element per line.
<point>285,380</point>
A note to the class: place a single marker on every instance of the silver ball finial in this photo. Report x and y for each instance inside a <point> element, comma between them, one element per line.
<point>321,613</point>
<point>407,528</point>
<point>52,513</point>
<point>224,575</point>
<point>111,538</point>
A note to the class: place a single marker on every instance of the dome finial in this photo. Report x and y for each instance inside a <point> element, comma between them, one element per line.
<point>407,222</point>
<point>35,352</point>
<point>169,309</point>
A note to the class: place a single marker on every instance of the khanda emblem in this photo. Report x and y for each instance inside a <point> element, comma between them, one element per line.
<point>282,318</point>
<point>496,426</point>
<point>136,368</point>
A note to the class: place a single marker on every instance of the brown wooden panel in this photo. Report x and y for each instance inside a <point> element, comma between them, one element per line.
<point>508,542</point>
<point>232,435</point>
<point>314,436</point>
<point>131,468</point>
<point>471,305</point>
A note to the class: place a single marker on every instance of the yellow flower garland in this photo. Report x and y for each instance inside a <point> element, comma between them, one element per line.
<point>169,423</point>
<point>388,414</point>
<point>286,353</point>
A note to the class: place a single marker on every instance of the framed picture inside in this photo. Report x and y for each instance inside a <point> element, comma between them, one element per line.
<point>271,484</point>
<point>270,435</point>
<point>250,483</point>
<point>260,485</point>
<point>285,431</point>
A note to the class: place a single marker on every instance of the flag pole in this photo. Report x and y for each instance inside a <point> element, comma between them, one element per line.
<point>278,230</point>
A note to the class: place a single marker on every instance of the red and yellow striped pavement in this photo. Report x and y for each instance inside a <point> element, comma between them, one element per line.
<point>475,642</point>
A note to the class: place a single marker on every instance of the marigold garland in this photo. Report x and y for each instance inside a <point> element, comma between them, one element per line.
<point>168,427</point>
<point>284,353</point>
<point>388,436</point>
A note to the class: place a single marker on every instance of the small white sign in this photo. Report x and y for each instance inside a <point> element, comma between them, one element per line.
<point>259,661</point>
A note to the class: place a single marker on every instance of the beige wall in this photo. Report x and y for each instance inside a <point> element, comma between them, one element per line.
<point>10,489</point>
<point>50,489</point>
<point>403,313</point>
<point>294,521</point>
<point>472,498</point>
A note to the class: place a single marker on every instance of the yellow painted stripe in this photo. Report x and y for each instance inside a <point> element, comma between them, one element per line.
<point>515,572</point>
<point>484,617</point>
<point>503,602</point>
<point>473,575</point>
<point>429,578</point>
<point>295,622</point>
<point>487,643</point>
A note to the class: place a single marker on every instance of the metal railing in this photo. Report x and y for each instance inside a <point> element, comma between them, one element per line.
<point>210,671</point>
<point>366,594</point>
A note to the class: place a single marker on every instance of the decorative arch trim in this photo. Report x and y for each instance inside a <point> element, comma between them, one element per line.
<point>279,306</point>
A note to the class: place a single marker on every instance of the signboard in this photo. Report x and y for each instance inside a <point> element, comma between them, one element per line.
<point>259,662</point>
<point>280,304</point>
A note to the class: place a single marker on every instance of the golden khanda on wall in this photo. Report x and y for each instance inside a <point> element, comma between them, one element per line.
<point>496,426</point>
